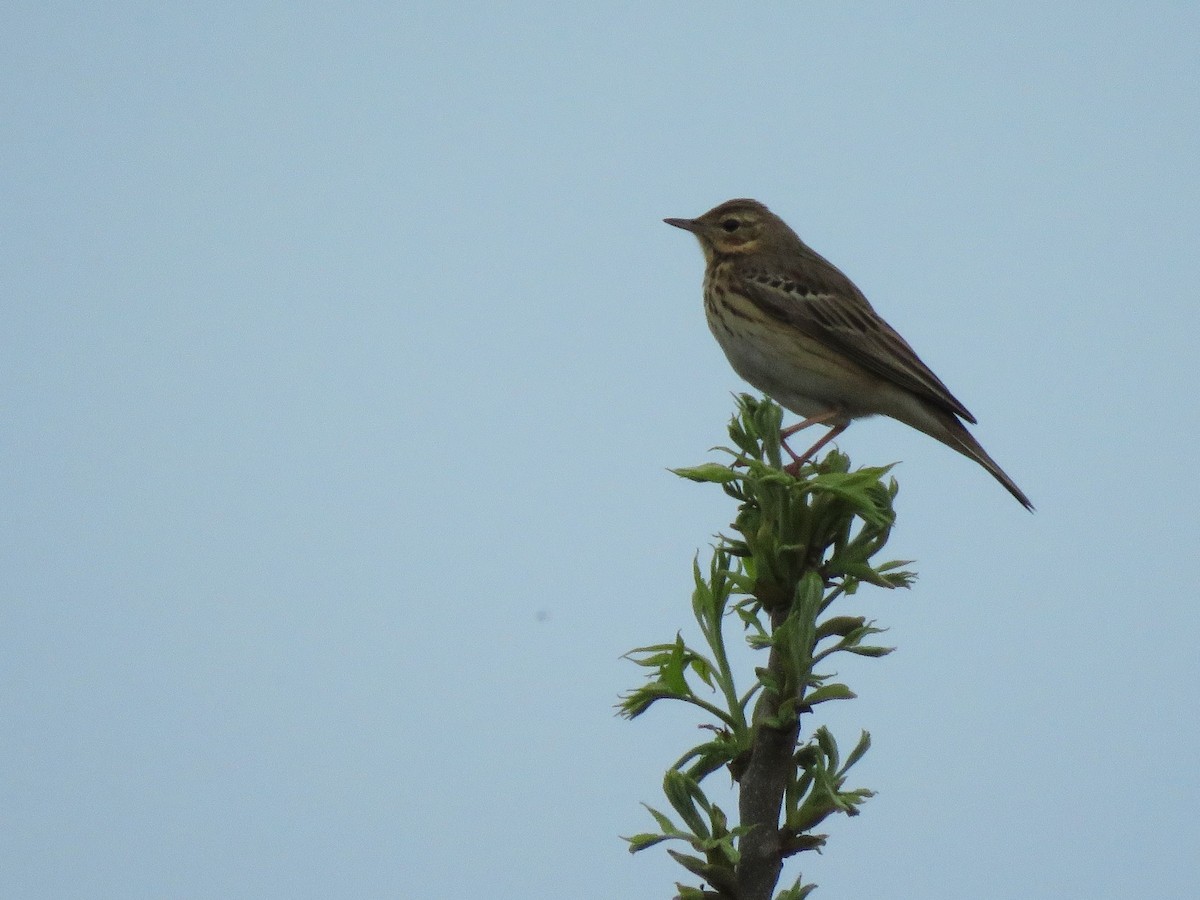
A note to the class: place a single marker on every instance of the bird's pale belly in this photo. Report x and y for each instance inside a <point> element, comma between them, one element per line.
<point>802,375</point>
<point>804,379</point>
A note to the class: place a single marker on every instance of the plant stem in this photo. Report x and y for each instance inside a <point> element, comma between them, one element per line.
<point>762,786</point>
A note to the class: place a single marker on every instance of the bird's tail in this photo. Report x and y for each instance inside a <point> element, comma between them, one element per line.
<point>955,435</point>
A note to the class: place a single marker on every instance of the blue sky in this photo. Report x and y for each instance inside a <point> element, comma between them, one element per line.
<point>343,355</point>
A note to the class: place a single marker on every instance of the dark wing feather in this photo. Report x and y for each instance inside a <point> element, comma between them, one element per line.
<point>824,304</point>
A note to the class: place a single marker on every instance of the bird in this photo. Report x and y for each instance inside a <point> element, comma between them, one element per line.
<point>795,327</point>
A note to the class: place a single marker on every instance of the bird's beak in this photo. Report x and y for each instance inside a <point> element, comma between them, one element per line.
<point>686,224</point>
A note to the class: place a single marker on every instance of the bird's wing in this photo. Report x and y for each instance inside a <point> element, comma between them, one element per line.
<point>825,305</point>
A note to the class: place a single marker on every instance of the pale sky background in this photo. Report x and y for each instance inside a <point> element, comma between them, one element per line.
<point>344,353</point>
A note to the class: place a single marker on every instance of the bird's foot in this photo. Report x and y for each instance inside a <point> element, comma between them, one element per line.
<point>793,468</point>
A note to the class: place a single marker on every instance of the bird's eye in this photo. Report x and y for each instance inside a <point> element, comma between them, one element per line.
<point>731,224</point>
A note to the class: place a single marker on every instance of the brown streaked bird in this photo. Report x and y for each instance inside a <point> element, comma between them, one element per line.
<point>797,329</point>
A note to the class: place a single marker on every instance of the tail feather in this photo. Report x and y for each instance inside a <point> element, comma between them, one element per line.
<point>956,436</point>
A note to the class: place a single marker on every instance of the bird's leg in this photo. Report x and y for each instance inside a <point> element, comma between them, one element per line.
<point>793,468</point>
<point>786,433</point>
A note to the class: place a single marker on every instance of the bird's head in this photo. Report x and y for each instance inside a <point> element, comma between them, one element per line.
<point>736,226</point>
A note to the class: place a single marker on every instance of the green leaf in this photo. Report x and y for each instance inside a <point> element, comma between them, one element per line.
<point>703,669</point>
<point>839,625</point>
<point>850,801</point>
<point>828,745</point>
<point>664,823</point>
<point>639,842</point>
<point>811,813</point>
<point>870,651</point>
<point>671,672</point>
<point>637,702</point>
<point>720,877</point>
<point>800,842</point>
<point>834,691</point>
<point>797,891</point>
<point>682,793</point>
<point>693,864</point>
<point>654,655</point>
<point>798,632</point>
<point>702,595</point>
<point>863,745</point>
<point>862,572</point>
<point>708,472</point>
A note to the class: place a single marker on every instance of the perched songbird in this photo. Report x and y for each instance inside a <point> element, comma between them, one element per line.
<point>799,330</point>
